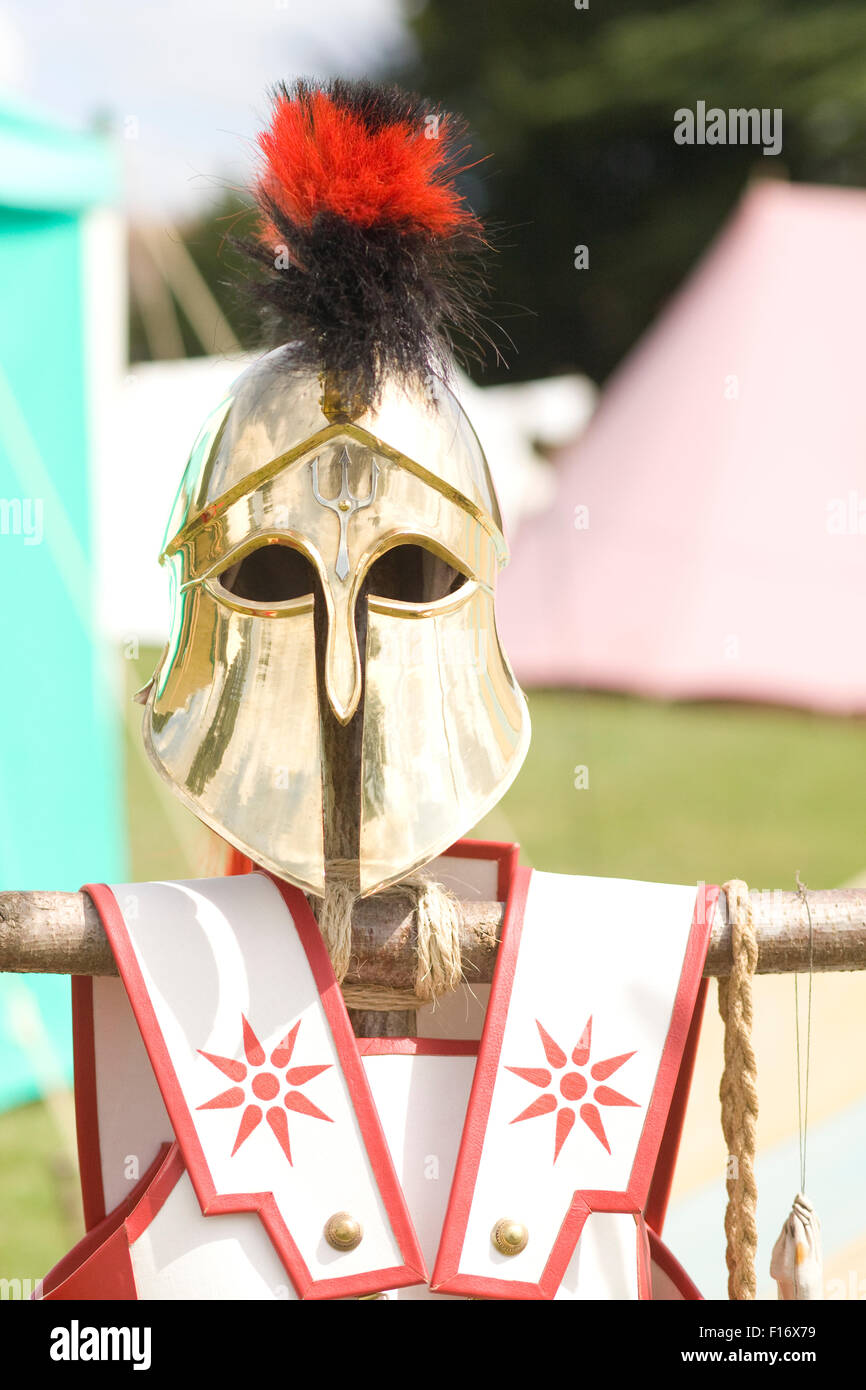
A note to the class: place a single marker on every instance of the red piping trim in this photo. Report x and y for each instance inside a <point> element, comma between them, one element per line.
<point>675,1043</point>
<point>86,1102</point>
<point>506,854</point>
<point>417,1047</point>
<point>154,1197</point>
<point>671,1266</point>
<point>663,1173</point>
<point>480,1099</point>
<point>644,1261</point>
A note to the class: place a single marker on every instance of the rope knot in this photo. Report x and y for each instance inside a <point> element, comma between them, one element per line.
<point>439,967</point>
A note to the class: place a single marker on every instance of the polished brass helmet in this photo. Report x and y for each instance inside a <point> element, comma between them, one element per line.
<point>333,688</point>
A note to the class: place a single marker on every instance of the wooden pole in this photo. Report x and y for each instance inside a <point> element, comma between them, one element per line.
<point>60,934</point>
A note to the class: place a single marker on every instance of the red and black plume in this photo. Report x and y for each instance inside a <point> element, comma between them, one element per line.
<point>370,255</point>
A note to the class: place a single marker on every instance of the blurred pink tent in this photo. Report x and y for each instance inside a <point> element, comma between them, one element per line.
<point>722,549</point>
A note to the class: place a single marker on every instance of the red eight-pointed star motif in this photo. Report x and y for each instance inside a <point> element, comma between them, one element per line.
<point>573,1086</point>
<point>256,1082</point>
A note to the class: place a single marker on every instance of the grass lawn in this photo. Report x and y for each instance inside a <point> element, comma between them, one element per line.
<point>687,792</point>
<point>673,793</point>
<point>40,1215</point>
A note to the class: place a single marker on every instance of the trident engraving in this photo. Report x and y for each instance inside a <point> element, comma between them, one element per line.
<point>344,505</point>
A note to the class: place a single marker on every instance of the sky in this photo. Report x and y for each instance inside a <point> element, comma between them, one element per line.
<point>183,82</point>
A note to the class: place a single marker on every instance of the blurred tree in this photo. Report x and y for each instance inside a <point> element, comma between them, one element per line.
<point>577,107</point>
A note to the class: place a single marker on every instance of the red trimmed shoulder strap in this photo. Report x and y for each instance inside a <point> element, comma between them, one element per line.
<point>273,1112</point>
<point>590,1014</point>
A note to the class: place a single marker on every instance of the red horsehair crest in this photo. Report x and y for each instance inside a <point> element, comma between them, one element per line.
<point>255,1081</point>
<point>573,1086</point>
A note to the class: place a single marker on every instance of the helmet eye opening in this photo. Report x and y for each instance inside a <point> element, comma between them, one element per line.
<point>272,573</point>
<point>413,574</point>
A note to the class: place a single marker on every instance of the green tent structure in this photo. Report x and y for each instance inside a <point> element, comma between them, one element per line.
<point>61,316</point>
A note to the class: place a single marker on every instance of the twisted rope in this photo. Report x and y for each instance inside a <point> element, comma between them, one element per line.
<point>738,1093</point>
<point>439,967</point>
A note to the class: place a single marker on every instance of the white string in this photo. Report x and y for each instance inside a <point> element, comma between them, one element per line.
<point>803,1093</point>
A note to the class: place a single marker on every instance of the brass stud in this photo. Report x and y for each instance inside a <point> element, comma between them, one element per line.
<point>343,1232</point>
<point>509,1237</point>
